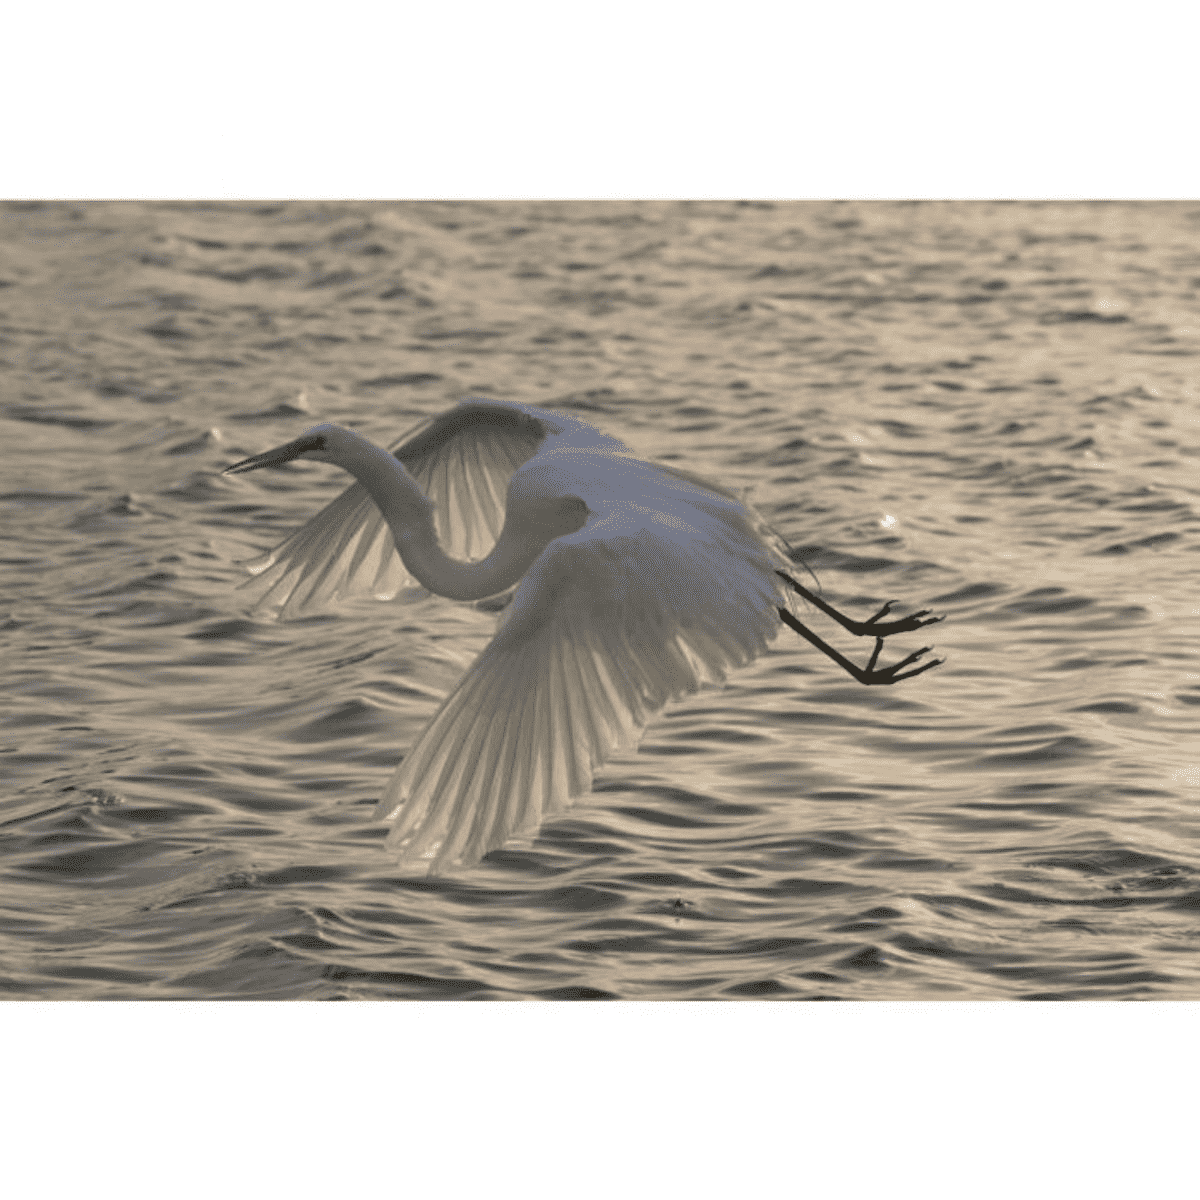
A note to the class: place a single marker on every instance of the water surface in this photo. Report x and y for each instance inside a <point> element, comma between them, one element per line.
<point>985,408</point>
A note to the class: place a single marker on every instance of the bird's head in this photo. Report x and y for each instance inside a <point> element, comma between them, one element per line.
<point>319,444</point>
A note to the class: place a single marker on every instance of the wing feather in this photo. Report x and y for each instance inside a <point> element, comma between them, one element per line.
<point>470,761</point>
<point>514,763</point>
<point>320,577</point>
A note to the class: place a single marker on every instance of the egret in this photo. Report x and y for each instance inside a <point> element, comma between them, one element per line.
<point>635,582</point>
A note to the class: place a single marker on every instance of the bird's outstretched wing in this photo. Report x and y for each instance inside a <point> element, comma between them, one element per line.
<point>463,460</point>
<point>637,608</point>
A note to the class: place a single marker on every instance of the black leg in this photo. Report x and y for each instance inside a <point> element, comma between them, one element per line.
<point>870,674</point>
<point>864,628</point>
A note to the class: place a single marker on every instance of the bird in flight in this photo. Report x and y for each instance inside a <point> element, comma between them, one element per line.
<point>635,583</point>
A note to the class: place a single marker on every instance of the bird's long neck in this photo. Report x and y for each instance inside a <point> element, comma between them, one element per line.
<point>409,514</point>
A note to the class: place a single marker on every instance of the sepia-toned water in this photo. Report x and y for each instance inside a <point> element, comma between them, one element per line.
<point>988,409</point>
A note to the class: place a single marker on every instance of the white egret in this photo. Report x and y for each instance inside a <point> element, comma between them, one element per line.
<point>635,583</point>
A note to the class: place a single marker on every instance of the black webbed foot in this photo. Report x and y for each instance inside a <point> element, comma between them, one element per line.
<point>870,674</point>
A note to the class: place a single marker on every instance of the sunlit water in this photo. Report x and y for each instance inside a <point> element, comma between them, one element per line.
<point>987,409</point>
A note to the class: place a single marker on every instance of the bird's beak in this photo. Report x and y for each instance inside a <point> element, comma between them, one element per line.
<point>278,456</point>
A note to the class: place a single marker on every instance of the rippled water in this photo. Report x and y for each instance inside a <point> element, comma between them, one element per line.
<point>987,408</point>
